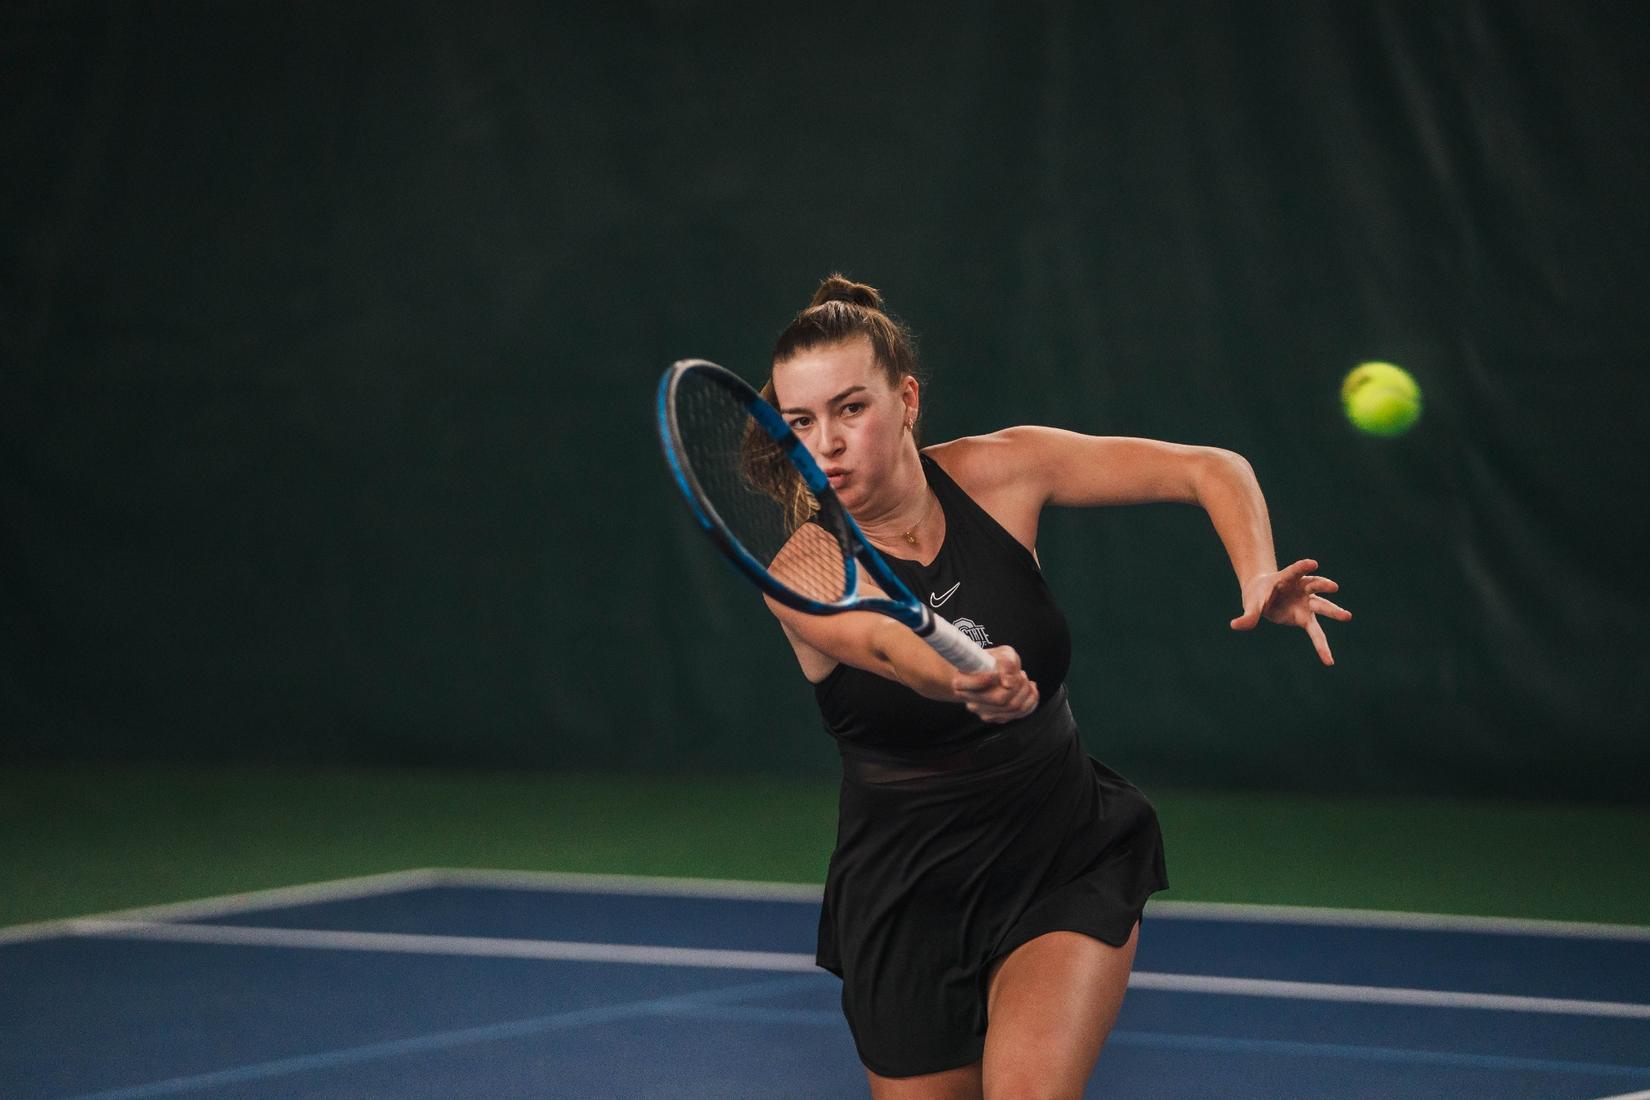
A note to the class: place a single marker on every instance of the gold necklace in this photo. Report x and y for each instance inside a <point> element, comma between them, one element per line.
<point>910,534</point>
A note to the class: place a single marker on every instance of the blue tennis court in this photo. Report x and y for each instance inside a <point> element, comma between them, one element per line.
<point>457,983</point>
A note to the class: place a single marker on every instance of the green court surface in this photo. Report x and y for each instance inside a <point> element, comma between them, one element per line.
<point>78,840</point>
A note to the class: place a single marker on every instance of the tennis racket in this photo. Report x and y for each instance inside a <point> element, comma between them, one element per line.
<point>766,504</point>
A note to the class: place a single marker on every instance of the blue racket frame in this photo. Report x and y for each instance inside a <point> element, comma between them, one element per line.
<point>901,605</point>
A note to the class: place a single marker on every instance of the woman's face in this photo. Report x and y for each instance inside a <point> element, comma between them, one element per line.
<point>840,404</point>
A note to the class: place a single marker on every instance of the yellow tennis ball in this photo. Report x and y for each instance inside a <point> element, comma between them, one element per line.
<point>1381,399</point>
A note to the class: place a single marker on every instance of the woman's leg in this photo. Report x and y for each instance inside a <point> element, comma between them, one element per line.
<point>1052,1003</point>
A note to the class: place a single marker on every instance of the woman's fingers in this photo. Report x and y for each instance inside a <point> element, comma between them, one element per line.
<point>1021,708</point>
<point>1293,596</point>
<point>1319,642</point>
<point>1005,677</point>
<point>1007,695</point>
<point>1321,606</point>
<point>1299,568</point>
<point>975,683</point>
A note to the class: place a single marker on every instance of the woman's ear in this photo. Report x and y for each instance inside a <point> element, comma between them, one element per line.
<point>910,392</point>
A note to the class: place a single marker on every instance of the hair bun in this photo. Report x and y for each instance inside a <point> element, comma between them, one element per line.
<point>840,288</point>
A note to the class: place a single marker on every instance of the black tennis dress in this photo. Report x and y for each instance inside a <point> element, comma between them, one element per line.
<point>959,840</point>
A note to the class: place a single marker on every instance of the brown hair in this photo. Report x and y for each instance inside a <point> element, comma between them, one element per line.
<point>841,310</point>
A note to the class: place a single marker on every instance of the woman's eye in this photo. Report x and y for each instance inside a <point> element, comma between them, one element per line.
<point>799,423</point>
<point>851,408</point>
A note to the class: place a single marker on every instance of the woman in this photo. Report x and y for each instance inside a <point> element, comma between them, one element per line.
<point>983,902</point>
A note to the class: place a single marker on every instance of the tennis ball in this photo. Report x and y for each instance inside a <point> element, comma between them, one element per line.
<point>1381,399</point>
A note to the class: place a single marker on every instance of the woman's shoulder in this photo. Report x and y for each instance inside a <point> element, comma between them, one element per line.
<point>999,473</point>
<point>989,464</point>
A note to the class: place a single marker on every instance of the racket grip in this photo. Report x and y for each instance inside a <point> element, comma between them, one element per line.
<point>958,648</point>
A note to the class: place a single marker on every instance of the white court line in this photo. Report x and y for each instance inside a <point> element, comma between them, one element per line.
<point>565,881</point>
<point>392,882</point>
<point>741,890</point>
<point>1386,918</point>
<point>1645,1095</point>
<point>280,897</point>
<point>466,946</point>
<point>472,946</point>
<point>1383,995</point>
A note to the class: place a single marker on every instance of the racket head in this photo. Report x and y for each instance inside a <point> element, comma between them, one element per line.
<point>758,493</point>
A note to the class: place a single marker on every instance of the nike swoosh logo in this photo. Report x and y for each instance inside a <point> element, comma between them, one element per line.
<point>939,601</point>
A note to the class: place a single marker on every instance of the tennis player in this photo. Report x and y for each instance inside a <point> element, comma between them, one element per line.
<point>983,901</point>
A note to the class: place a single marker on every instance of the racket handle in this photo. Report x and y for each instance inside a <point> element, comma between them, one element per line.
<point>957,647</point>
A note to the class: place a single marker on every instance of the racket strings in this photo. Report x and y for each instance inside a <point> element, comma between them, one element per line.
<point>757,494</point>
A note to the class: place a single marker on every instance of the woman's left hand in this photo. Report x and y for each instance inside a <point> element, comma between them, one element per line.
<point>1293,597</point>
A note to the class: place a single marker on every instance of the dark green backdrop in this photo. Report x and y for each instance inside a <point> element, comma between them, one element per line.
<point>330,332</point>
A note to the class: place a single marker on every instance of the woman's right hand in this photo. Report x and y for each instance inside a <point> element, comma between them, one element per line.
<point>1001,695</point>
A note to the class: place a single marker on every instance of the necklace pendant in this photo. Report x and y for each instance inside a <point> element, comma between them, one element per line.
<point>910,537</point>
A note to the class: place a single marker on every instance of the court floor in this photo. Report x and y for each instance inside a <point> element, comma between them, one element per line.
<point>502,985</point>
